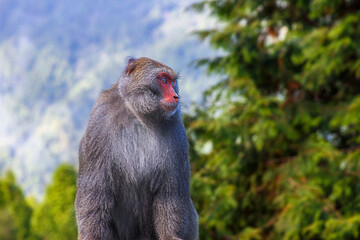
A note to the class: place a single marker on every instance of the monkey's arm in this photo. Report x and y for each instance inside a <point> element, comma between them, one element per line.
<point>169,216</point>
<point>94,207</point>
<point>94,201</point>
<point>174,214</point>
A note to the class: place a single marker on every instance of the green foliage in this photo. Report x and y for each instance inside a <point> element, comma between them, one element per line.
<point>275,145</point>
<point>15,213</point>
<point>54,218</point>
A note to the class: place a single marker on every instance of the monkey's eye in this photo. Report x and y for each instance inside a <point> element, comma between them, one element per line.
<point>173,83</point>
<point>164,80</point>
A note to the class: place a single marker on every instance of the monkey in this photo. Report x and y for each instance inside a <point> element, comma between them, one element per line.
<point>134,170</point>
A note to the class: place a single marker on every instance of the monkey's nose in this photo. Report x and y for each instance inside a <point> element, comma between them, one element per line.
<point>176,98</point>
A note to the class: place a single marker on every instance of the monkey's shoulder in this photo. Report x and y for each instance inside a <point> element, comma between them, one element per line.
<point>110,109</point>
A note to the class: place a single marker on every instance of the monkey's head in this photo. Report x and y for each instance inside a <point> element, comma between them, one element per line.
<point>150,88</point>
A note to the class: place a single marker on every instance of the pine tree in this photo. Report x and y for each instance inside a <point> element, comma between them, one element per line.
<point>275,145</point>
<point>15,213</point>
<point>54,219</point>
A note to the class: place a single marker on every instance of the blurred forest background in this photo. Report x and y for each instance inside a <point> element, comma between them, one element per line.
<point>274,139</point>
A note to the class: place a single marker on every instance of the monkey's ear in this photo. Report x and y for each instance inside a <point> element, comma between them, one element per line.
<point>131,65</point>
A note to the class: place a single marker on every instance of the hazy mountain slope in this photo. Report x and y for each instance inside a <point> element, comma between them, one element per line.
<point>56,57</point>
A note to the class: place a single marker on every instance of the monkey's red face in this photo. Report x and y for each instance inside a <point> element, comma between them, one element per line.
<point>167,84</point>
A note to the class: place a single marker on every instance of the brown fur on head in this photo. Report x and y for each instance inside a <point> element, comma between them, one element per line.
<point>142,63</point>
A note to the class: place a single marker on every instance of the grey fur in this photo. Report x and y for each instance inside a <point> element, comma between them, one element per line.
<point>134,167</point>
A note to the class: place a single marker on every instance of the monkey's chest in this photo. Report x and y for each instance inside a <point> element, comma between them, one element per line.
<point>143,155</point>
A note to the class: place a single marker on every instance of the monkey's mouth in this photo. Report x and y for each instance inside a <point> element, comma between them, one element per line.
<point>170,106</point>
